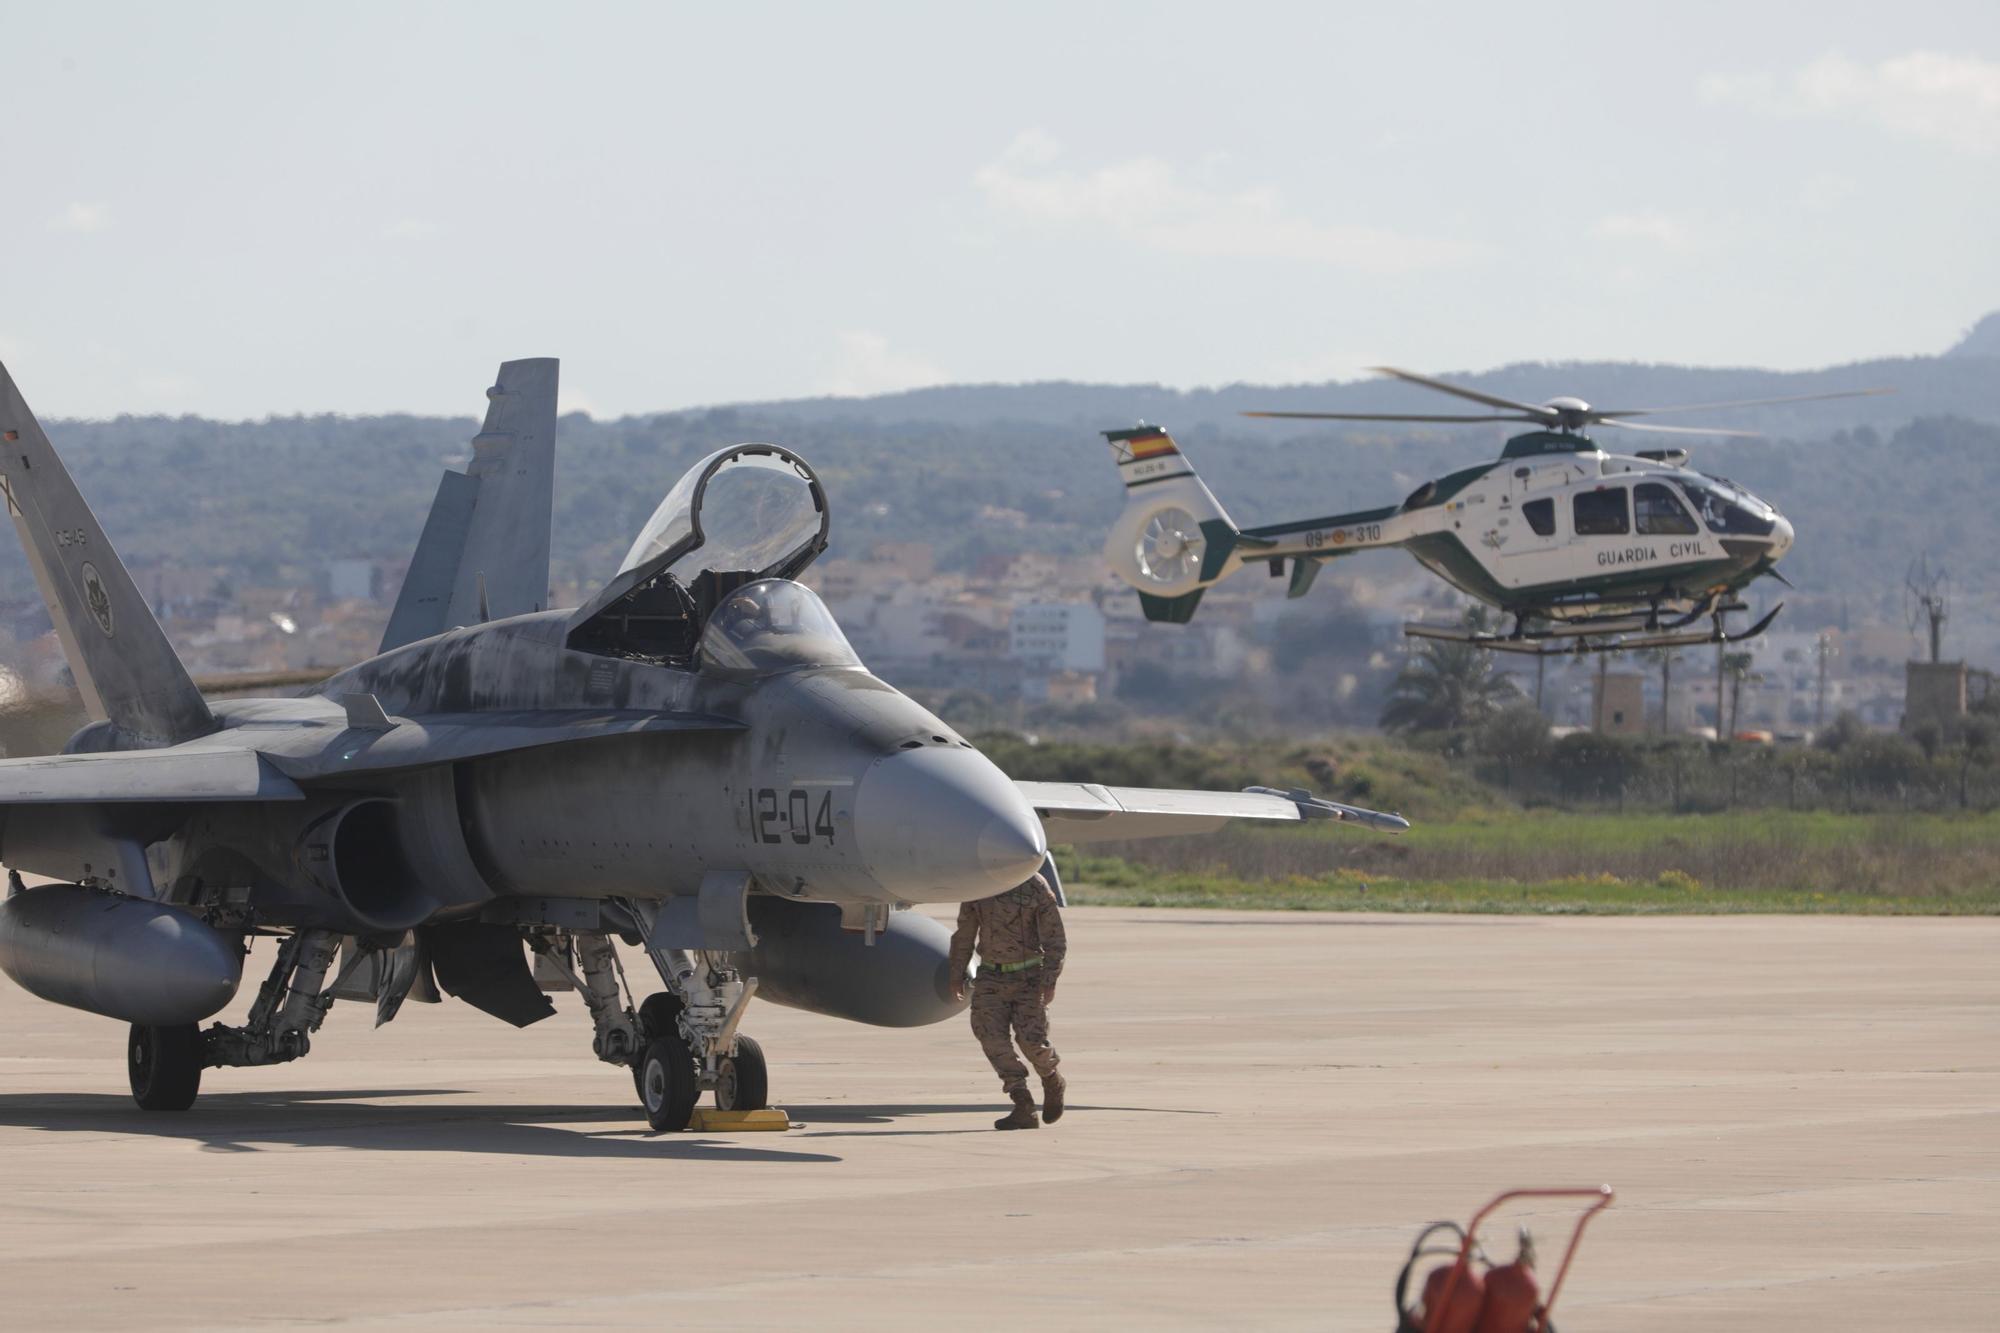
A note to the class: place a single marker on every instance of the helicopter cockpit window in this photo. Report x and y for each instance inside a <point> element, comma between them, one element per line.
<point>1541,516</point>
<point>1601,513</point>
<point>1659,513</point>
<point>1731,512</point>
<point>773,625</point>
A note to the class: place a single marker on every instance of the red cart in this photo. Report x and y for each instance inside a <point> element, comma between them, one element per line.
<point>1456,1299</point>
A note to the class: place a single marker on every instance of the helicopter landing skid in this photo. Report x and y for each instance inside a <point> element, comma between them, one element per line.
<point>1577,639</point>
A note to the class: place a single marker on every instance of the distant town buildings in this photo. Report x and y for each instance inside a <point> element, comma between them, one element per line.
<point>1057,637</point>
<point>1032,629</point>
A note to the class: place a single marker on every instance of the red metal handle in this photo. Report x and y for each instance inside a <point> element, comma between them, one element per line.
<point>1601,1193</point>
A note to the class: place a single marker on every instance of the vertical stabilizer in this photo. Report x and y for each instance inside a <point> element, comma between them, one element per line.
<point>124,666</point>
<point>484,552</point>
<point>1172,539</point>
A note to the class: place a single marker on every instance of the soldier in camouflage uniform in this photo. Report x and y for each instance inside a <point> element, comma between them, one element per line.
<point>1019,936</point>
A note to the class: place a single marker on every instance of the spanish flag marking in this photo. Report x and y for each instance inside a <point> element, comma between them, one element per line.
<point>1153,446</point>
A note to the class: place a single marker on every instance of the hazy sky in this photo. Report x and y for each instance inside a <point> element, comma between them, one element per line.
<point>245,209</point>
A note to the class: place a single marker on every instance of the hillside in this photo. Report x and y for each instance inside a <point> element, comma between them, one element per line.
<point>1870,483</point>
<point>1964,382</point>
<point>1981,340</point>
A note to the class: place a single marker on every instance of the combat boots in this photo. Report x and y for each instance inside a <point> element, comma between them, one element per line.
<point>1053,1088</point>
<point>1023,1114</point>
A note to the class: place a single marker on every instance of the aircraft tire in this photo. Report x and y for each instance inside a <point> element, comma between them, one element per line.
<point>668,1083</point>
<point>657,1013</point>
<point>164,1065</point>
<point>745,1081</point>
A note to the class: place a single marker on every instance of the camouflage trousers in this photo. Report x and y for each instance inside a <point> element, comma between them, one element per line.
<point>1006,1008</point>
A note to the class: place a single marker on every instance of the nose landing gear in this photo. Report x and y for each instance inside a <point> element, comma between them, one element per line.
<point>669,1077</point>
<point>680,1041</point>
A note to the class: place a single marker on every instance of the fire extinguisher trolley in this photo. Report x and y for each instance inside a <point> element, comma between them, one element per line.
<point>1448,1309</point>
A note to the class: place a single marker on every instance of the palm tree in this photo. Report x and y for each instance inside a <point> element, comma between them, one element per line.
<point>1446,687</point>
<point>1736,666</point>
<point>1665,657</point>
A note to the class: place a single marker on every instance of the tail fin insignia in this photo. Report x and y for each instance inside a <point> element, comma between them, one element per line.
<point>1146,454</point>
<point>125,668</point>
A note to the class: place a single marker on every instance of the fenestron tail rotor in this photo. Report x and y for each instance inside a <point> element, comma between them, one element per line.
<point>1170,547</point>
<point>1563,413</point>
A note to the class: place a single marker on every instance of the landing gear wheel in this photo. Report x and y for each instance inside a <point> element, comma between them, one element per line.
<point>659,1016</point>
<point>164,1065</point>
<point>668,1083</point>
<point>743,1083</point>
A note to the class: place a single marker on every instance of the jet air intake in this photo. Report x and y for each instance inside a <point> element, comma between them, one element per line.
<point>126,958</point>
<point>355,853</point>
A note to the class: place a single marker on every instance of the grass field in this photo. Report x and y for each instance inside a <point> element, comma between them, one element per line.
<point>1753,862</point>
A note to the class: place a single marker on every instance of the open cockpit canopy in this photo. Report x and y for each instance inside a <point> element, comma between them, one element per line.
<point>743,514</point>
<point>751,507</point>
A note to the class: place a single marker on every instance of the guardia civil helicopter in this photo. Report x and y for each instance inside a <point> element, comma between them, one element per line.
<point>1580,549</point>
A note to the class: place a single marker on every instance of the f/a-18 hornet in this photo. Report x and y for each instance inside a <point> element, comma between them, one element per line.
<point>1583,549</point>
<point>694,761</point>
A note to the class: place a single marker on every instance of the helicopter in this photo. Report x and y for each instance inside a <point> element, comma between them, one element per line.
<point>1585,550</point>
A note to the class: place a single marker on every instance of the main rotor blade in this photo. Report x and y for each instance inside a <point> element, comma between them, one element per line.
<point>1742,402</point>
<point>1538,413</point>
<point>1683,430</point>
<point>1386,416</point>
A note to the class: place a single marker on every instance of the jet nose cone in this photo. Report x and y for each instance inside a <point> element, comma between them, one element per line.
<point>944,825</point>
<point>1012,845</point>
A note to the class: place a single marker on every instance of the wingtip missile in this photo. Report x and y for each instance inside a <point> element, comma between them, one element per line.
<point>1316,807</point>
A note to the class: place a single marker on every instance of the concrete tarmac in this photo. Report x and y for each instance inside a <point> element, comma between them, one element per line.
<point>1799,1116</point>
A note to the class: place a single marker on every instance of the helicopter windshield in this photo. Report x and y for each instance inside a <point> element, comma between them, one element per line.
<point>1729,511</point>
<point>752,507</point>
<point>773,625</point>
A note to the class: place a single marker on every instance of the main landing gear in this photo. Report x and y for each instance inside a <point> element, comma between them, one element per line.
<point>165,1063</point>
<point>679,1043</point>
<point>165,1066</point>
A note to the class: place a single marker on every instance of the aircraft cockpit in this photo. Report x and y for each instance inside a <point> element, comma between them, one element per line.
<point>1729,510</point>
<point>769,626</point>
<point>751,514</point>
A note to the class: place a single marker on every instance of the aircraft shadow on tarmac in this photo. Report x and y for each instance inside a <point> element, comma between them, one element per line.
<point>844,1114</point>
<point>348,1118</point>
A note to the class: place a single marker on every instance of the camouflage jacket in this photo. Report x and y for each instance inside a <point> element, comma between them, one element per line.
<point>1017,924</point>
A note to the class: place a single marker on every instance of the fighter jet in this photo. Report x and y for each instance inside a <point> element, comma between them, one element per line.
<point>694,762</point>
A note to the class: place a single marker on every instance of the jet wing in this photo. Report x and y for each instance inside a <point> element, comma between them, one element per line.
<point>1078,812</point>
<point>143,775</point>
